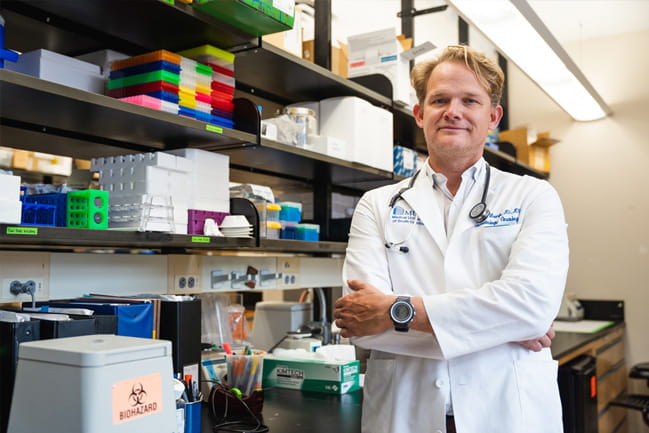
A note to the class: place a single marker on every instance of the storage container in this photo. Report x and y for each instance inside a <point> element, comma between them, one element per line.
<point>122,384</point>
<point>61,69</point>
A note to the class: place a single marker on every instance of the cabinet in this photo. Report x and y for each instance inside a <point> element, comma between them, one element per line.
<point>43,116</point>
<point>607,347</point>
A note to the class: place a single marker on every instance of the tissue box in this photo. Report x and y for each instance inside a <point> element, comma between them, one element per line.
<point>332,377</point>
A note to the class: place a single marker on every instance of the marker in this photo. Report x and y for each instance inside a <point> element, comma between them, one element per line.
<point>227,348</point>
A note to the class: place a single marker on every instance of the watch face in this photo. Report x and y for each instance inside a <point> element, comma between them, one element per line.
<point>401,312</point>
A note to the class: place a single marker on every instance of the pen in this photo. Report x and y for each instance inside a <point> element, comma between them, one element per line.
<point>188,386</point>
<point>251,378</point>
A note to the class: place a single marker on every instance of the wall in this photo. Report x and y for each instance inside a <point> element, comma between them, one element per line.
<point>601,170</point>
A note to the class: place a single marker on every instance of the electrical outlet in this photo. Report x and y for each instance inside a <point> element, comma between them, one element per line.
<point>186,282</point>
<point>40,289</point>
<point>289,267</point>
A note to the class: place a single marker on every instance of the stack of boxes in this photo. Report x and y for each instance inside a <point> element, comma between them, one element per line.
<point>159,191</point>
<point>221,89</point>
<point>169,82</point>
<point>290,217</point>
<point>155,74</point>
<point>10,204</point>
<point>142,189</point>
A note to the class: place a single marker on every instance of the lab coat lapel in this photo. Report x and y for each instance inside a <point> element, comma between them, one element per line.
<point>420,198</point>
<point>464,222</point>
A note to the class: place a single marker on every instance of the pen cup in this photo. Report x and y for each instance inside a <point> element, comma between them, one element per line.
<point>244,373</point>
<point>193,417</point>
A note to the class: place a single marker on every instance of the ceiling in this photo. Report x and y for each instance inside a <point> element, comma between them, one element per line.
<point>574,20</point>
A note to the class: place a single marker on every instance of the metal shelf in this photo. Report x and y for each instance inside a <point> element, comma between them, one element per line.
<point>278,75</point>
<point>63,238</point>
<point>307,247</point>
<point>133,27</point>
<point>18,237</point>
<point>283,160</point>
<point>40,115</point>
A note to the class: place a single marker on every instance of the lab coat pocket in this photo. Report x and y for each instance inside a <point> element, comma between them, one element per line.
<point>496,244</point>
<point>539,395</point>
<point>378,396</point>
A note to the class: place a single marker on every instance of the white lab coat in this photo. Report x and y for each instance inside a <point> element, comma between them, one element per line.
<point>483,288</point>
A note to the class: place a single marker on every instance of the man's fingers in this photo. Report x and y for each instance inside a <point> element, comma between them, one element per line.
<point>551,334</point>
<point>545,341</point>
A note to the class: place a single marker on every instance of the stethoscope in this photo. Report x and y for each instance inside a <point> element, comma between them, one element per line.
<point>478,213</point>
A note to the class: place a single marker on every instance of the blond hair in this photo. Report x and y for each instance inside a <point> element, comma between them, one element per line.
<point>488,73</point>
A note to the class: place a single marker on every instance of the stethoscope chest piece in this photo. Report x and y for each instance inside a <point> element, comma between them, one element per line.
<point>479,212</point>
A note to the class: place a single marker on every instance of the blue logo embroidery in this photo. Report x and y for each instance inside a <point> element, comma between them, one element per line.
<point>504,218</point>
<point>401,215</point>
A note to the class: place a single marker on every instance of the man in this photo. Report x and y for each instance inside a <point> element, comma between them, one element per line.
<point>441,289</point>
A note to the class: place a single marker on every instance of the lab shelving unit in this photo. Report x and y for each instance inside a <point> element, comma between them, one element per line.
<point>43,116</point>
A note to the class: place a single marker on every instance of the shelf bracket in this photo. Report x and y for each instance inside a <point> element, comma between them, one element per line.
<point>413,12</point>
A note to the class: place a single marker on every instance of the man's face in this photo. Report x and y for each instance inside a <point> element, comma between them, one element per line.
<point>456,114</point>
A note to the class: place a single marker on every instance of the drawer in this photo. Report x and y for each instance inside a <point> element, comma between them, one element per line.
<point>610,387</point>
<point>609,420</point>
<point>609,357</point>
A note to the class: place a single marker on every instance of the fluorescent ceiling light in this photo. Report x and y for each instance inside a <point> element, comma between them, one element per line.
<point>520,35</point>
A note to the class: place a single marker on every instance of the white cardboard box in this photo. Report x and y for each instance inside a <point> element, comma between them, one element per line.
<point>378,52</point>
<point>365,129</point>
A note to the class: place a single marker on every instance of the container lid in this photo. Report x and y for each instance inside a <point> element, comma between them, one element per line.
<point>62,59</point>
<point>94,350</point>
<point>302,111</point>
<point>304,226</point>
<point>282,306</point>
<point>273,206</point>
<point>208,50</point>
<point>273,225</point>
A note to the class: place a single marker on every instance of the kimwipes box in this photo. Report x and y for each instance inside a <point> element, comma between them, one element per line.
<point>333,377</point>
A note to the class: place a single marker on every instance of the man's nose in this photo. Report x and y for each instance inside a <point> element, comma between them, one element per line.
<point>453,109</point>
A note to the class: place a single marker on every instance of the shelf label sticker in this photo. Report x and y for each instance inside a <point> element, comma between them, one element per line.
<point>22,231</point>
<point>201,239</point>
<point>171,2</point>
<point>213,128</point>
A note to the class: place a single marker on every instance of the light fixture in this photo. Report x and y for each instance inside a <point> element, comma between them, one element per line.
<point>520,35</point>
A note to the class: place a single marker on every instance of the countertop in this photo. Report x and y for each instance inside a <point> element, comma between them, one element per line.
<point>566,342</point>
<point>288,411</point>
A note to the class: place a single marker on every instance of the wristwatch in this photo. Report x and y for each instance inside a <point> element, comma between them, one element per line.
<point>402,313</point>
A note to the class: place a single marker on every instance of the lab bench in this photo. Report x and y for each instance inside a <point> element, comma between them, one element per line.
<point>607,346</point>
<point>288,411</point>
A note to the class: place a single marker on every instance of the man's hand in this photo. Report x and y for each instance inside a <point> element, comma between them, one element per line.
<point>363,312</point>
<point>539,343</point>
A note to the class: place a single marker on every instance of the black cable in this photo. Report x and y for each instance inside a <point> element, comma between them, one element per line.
<point>234,426</point>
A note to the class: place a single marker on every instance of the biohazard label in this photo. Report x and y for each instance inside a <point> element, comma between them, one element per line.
<point>137,398</point>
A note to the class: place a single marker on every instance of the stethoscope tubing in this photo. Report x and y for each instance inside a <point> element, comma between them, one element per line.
<point>478,212</point>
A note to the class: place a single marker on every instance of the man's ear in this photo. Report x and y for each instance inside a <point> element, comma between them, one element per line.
<point>418,112</point>
<point>495,116</point>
